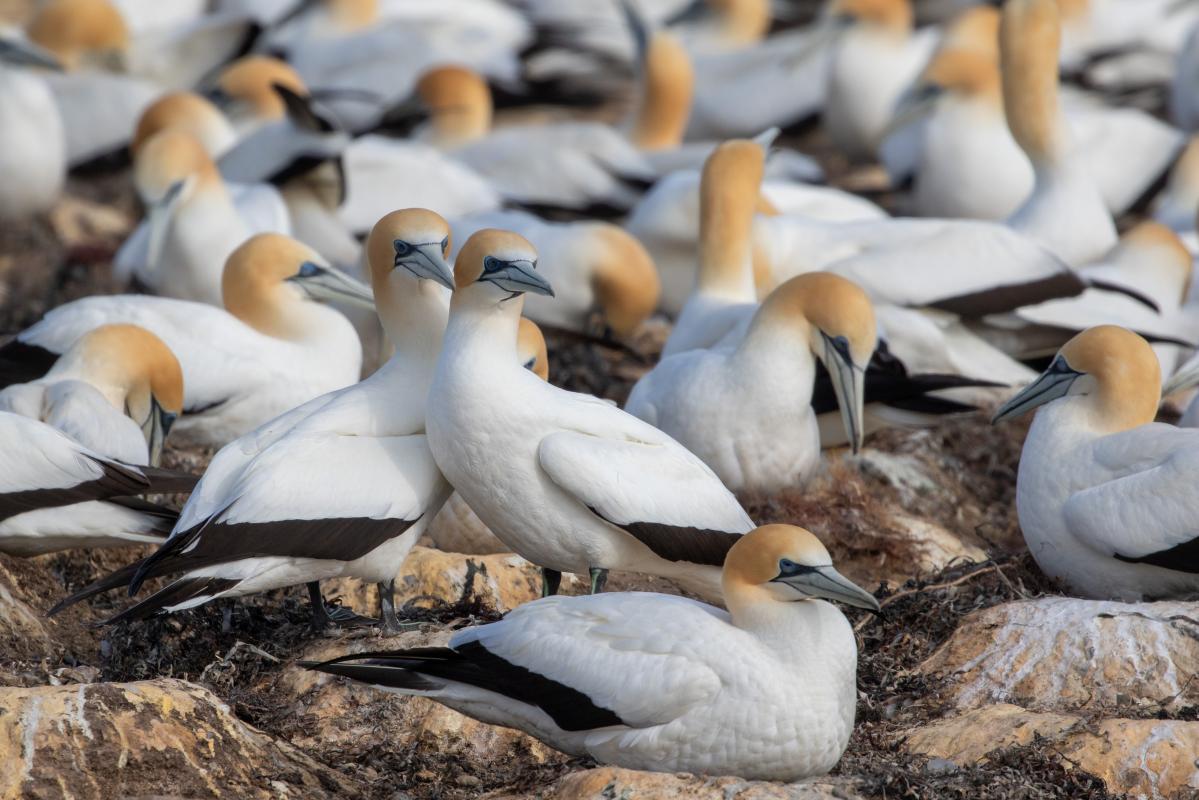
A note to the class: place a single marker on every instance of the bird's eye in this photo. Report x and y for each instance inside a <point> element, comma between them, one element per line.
<point>492,264</point>
<point>402,247</point>
<point>308,269</point>
<point>841,344</point>
<point>445,246</point>
<point>788,567</point>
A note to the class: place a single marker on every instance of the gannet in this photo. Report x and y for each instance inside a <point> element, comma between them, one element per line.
<point>577,166</point>
<point>245,92</point>
<point>969,164</point>
<point>1179,200</point>
<point>594,266</point>
<point>194,224</point>
<point>259,206</point>
<point>343,485</point>
<point>1065,211</point>
<point>747,410</point>
<point>270,350</point>
<point>117,391</point>
<point>1104,493</point>
<point>566,480</point>
<point>875,57</point>
<point>56,494</point>
<point>33,155</point>
<point>764,691</point>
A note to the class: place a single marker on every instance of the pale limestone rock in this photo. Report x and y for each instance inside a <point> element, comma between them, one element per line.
<point>1139,758</point>
<point>604,783</point>
<point>108,740</point>
<point>458,529</point>
<point>1066,654</point>
<point>431,577</point>
<point>79,222</point>
<point>343,715</point>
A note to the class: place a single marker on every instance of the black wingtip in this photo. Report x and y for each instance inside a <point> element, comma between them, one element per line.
<point>1127,291</point>
<point>112,580</point>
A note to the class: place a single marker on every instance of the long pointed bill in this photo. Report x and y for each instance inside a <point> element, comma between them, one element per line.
<point>21,52</point>
<point>913,105</point>
<point>1054,382</point>
<point>849,384</point>
<point>156,427</point>
<point>160,213</point>
<point>1183,379</point>
<point>330,285</point>
<point>427,261</point>
<point>519,276</point>
<point>827,583</point>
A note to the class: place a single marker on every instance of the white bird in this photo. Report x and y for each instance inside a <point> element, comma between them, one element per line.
<point>117,391</point>
<point>343,485</point>
<point>56,494</point>
<point>1178,203</point>
<point>1104,493</point>
<point>594,266</point>
<point>764,691</point>
<point>575,166</point>
<point>1065,211</point>
<point>33,153</point>
<point>566,480</point>
<point>746,410</point>
<point>271,348</point>
<point>876,56</point>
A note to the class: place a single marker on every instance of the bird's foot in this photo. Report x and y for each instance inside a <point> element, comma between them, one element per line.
<point>599,577</point>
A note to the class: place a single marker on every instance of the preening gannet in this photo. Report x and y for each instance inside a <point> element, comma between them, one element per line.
<point>765,691</point>
<point>593,266</point>
<point>271,348</point>
<point>117,391</point>
<point>566,480</point>
<point>33,154</point>
<point>1065,211</point>
<point>342,485</point>
<point>746,410</point>
<point>876,56</point>
<point>56,494</point>
<point>1105,494</point>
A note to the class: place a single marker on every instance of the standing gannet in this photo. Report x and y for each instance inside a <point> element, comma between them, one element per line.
<point>566,480</point>
<point>33,154</point>
<point>1065,211</point>
<point>875,58</point>
<point>577,166</point>
<point>117,391</point>
<point>746,410</point>
<point>56,494</point>
<point>765,691</point>
<point>594,267</point>
<point>271,348</point>
<point>194,224</point>
<point>1105,494</point>
<point>344,485</point>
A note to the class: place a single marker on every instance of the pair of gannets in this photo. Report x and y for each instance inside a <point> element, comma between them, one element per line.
<point>1105,495</point>
<point>33,154</point>
<point>270,349</point>
<point>765,691</point>
<point>970,166</point>
<point>594,266</point>
<point>117,391</point>
<point>56,493</point>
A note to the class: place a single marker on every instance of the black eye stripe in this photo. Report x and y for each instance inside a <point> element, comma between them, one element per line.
<point>788,568</point>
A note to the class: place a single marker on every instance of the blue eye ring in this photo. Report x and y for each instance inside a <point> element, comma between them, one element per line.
<point>309,270</point>
<point>402,248</point>
<point>492,264</point>
<point>445,246</point>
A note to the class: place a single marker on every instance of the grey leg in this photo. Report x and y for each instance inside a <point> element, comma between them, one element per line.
<point>551,579</point>
<point>387,607</point>
<point>599,576</point>
<point>320,617</point>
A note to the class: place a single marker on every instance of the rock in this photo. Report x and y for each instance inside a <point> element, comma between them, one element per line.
<point>933,547</point>
<point>1138,757</point>
<point>604,783</point>
<point>904,472</point>
<point>80,223</point>
<point>457,529</point>
<point>23,632</point>
<point>138,739</point>
<point>341,717</point>
<point>1065,654</point>
<point>431,577</point>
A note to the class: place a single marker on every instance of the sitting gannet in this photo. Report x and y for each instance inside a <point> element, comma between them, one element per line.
<point>56,494</point>
<point>764,691</point>
<point>117,391</point>
<point>343,485</point>
<point>593,266</point>
<point>271,348</point>
<point>33,154</point>
<point>1105,494</point>
<point>566,480</point>
<point>746,410</point>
